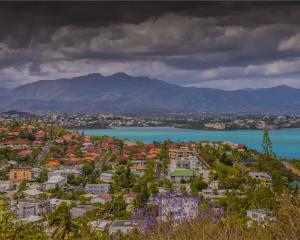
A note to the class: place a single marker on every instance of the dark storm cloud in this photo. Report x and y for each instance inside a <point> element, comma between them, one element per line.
<point>218,44</point>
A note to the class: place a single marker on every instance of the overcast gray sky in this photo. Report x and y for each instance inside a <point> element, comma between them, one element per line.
<point>215,44</point>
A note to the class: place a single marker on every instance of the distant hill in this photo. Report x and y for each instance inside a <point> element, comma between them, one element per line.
<point>3,91</point>
<point>126,94</point>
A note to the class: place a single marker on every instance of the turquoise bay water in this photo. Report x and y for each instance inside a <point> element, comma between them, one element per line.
<point>286,142</point>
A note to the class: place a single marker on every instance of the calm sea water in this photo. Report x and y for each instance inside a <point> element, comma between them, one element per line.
<point>286,142</point>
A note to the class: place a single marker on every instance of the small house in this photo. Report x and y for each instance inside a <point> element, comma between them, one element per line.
<point>97,188</point>
<point>103,199</point>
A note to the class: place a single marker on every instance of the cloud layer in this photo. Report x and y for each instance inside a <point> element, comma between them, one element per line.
<point>214,44</point>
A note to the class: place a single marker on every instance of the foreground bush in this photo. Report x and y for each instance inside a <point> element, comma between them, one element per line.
<point>286,225</point>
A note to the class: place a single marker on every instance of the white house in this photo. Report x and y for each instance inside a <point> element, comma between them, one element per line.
<point>139,170</point>
<point>206,175</point>
<point>212,194</point>
<point>262,216</point>
<point>81,210</point>
<point>260,175</point>
<point>103,199</point>
<point>122,226</point>
<point>65,172</point>
<point>54,181</point>
<point>100,225</point>
<point>264,178</point>
<point>214,185</point>
<point>33,193</point>
<point>182,152</point>
<point>130,197</point>
<point>56,201</point>
<point>97,188</point>
<point>107,176</point>
<point>191,162</point>
<point>6,186</point>
<point>27,208</point>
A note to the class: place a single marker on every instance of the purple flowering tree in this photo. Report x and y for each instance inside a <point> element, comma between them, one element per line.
<point>175,209</point>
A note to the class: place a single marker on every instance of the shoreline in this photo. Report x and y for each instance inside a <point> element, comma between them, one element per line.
<point>285,141</point>
<point>172,127</point>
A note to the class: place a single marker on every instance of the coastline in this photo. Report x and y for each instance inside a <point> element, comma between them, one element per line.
<point>286,142</point>
<point>184,128</point>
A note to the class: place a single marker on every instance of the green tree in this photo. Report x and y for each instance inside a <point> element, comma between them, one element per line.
<point>74,180</point>
<point>164,157</point>
<point>153,189</point>
<point>267,144</point>
<point>278,181</point>
<point>22,186</point>
<point>143,195</point>
<point>150,172</point>
<point>123,179</point>
<point>120,145</point>
<point>224,159</point>
<point>62,223</point>
<point>183,189</point>
<point>88,169</point>
<point>11,229</point>
<point>117,205</point>
<point>263,197</point>
<point>196,185</point>
<point>43,176</point>
<point>167,184</point>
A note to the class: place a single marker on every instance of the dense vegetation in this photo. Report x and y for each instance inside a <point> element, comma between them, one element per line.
<point>242,193</point>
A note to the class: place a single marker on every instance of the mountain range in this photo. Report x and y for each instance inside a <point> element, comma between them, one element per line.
<point>121,93</point>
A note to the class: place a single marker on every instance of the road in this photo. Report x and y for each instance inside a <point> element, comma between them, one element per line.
<point>44,152</point>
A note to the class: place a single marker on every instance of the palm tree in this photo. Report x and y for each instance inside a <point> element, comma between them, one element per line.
<point>267,144</point>
<point>62,223</point>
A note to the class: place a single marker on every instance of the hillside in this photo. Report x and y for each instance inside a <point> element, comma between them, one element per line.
<point>123,93</point>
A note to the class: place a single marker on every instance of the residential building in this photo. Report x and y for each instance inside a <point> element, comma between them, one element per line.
<point>40,135</point>
<point>263,178</point>
<point>182,174</point>
<point>206,175</point>
<point>36,172</point>
<point>139,162</point>
<point>122,226</point>
<point>81,210</point>
<point>182,152</point>
<point>103,199</point>
<point>107,176</point>
<point>212,194</point>
<point>33,193</point>
<point>97,188</point>
<point>214,185</point>
<point>54,181</point>
<point>56,201</point>
<point>261,216</point>
<point>130,197</point>
<point>219,126</point>
<point>6,186</point>
<point>139,170</point>
<point>20,174</point>
<point>100,225</point>
<point>65,172</point>
<point>31,207</point>
<point>191,162</point>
